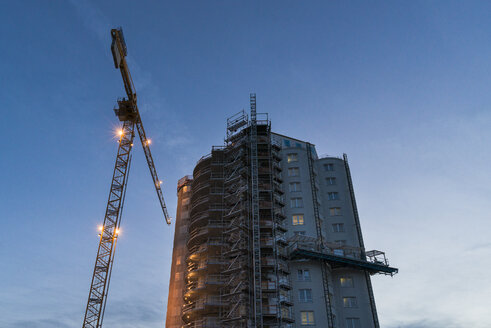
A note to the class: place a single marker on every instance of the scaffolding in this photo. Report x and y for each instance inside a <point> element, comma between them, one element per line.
<point>257,291</point>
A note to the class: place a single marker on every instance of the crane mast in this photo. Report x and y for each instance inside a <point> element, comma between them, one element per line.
<point>128,114</point>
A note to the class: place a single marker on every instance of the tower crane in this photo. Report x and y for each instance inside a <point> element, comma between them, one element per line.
<point>128,114</point>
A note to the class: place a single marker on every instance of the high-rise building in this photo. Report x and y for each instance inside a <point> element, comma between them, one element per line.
<point>268,235</point>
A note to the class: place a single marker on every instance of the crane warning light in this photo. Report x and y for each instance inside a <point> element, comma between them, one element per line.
<point>149,141</point>
<point>100,228</point>
<point>120,132</point>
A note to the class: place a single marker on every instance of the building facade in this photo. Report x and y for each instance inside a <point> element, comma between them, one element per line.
<point>177,283</point>
<point>270,237</point>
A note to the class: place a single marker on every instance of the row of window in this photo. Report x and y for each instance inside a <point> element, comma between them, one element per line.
<point>288,144</point>
<point>304,275</point>
<point>296,186</point>
<point>305,296</point>
<point>298,219</point>
<point>293,157</point>
<point>295,172</point>
<point>307,319</point>
<point>296,202</point>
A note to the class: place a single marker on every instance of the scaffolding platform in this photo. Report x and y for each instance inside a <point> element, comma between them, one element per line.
<point>375,263</point>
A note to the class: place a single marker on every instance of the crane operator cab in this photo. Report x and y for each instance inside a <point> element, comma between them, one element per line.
<point>125,110</point>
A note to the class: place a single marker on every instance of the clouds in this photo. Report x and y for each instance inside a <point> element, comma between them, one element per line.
<point>427,324</point>
<point>43,323</point>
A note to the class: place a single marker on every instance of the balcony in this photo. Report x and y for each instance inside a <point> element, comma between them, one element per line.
<point>268,286</point>
<point>270,310</point>
<point>267,242</point>
<point>284,283</point>
<point>201,234</point>
<point>199,174</point>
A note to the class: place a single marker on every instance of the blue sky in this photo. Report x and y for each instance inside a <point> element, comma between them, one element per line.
<point>401,86</point>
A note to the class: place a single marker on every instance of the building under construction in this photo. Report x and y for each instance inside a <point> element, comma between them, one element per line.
<point>268,235</point>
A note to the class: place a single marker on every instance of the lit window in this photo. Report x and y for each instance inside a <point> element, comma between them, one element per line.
<point>296,202</point>
<point>299,233</point>
<point>297,219</point>
<point>293,172</point>
<point>329,167</point>
<point>186,188</point>
<point>303,275</point>
<point>338,227</point>
<point>307,318</point>
<point>178,261</point>
<point>294,186</point>
<point>331,181</point>
<point>346,282</point>
<point>335,211</point>
<point>332,196</point>
<point>349,302</point>
<point>292,158</point>
<point>286,143</point>
<point>305,295</point>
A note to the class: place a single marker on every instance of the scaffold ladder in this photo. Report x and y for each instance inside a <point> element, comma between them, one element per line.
<point>320,239</point>
<point>256,236</point>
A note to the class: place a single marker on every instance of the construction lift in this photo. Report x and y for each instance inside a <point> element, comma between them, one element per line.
<point>127,112</point>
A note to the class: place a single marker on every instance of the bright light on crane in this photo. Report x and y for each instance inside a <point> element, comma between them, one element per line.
<point>120,132</point>
<point>149,141</point>
<point>100,228</point>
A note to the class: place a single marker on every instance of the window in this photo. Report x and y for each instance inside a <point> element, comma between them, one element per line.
<point>353,323</point>
<point>349,302</point>
<point>178,261</point>
<point>296,202</point>
<point>331,181</point>
<point>297,219</point>
<point>299,233</point>
<point>329,167</point>
<point>292,157</point>
<point>335,211</point>
<point>346,282</point>
<point>294,186</point>
<point>178,276</point>
<point>305,295</point>
<point>286,143</point>
<point>293,172</point>
<point>307,318</point>
<point>332,196</point>
<point>338,227</point>
<point>303,275</point>
<point>298,145</point>
<point>340,242</point>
